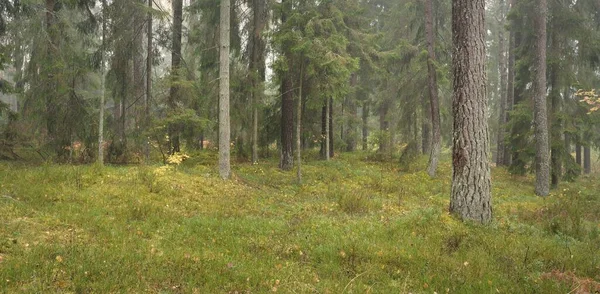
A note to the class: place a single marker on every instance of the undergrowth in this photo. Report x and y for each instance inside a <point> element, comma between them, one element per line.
<point>356,225</point>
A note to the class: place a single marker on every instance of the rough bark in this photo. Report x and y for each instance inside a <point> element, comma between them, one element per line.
<point>286,161</point>
<point>224,122</point>
<point>471,184</point>
<point>556,141</point>
<point>542,150</point>
<point>174,92</point>
<point>434,102</point>
<point>502,114</point>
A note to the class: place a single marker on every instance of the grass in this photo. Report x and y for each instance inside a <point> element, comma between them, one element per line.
<point>354,226</point>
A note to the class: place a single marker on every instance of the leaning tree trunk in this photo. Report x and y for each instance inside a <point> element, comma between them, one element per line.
<point>471,184</point>
<point>174,92</point>
<point>224,123</point>
<point>434,102</point>
<point>542,150</point>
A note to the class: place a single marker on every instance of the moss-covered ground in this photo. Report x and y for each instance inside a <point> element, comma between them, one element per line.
<point>353,226</point>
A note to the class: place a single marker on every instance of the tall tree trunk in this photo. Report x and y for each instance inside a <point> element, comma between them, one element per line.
<point>331,152</point>
<point>425,126</point>
<point>542,154</point>
<point>174,92</point>
<point>434,102</point>
<point>224,121</point>
<point>327,129</point>
<point>324,129</point>
<point>587,160</point>
<point>471,184</point>
<point>556,132</point>
<point>510,90</point>
<point>257,67</point>
<point>502,116</point>
<point>365,125</point>
<point>149,35</point>
<point>286,161</point>
<point>100,158</point>
<point>578,152</point>
<point>383,128</point>
<point>299,126</point>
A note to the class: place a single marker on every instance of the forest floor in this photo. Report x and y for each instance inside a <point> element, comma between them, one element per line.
<point>354,226</point>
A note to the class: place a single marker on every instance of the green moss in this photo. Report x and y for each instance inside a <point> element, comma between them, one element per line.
<point>355,225</point>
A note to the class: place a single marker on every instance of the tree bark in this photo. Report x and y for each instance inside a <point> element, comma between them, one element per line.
<point>331,152</point>
<point>542,156</point>
<point>149,35</point>
<point>174,98</point>
<point>299,126</point>
<point>257,67</point>
<point>502,116</point>
<point>587,161</point>
<point>510,87</point>
<point>365,125</point>
<point>100,158</point>
<point>286,161</point>
<point>224,121</point>
<point>425,126</point>
<point>327,128</point>
<point>471,184</point>
<point>436,135</point>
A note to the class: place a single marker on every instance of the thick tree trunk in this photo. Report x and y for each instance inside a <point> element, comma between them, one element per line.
<point>224,121</point>
<point>587,160</point>
<point>286,161</point>
<point>436,135</point>
<point>542,154</point>
<point>502,116</point>
<point>471,184</point>
<point>174,98</point>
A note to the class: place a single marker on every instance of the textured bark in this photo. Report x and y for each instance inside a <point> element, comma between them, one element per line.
<point>502,115</point>
<point>556,146</point>
<point>299,127</point>
<point>542,150</point>
<point>174,92</point>
<point>286,161</point>
<point>471,184</point>
<point>224,121</point>
<point>587,160</point>
<point>434,102</point>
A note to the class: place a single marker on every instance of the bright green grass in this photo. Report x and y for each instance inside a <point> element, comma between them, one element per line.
<point>354,226</point>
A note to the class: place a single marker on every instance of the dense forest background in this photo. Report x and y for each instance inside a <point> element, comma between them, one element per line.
<point>138,81</point>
